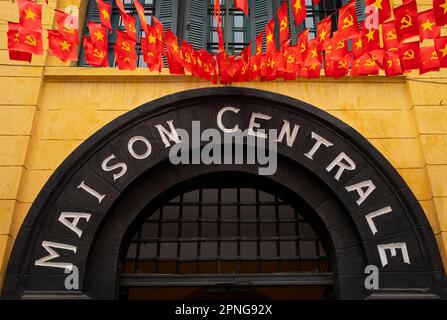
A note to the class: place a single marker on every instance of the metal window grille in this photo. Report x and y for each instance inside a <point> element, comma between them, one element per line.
<point>225,231</point>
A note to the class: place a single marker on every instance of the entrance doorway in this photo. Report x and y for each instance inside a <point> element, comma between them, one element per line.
<point>226,241</point>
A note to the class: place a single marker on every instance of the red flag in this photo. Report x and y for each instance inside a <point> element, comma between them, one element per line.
<point>347,21</point>
<point>14,40</point>
<point>440,11</point>
<point>60,47</point>
<point>341,66</point>
<point>98,35</point>
<point>283,20</point>
<point>129,21</point>
<point>313,57</point>
<point>383,6</point>
<point>429,60</point>
<point>30,15</point>
<point>66,27</point>
<point>378,55</point>
<point>392,64</point>
<point>125,53</point>
<point>299,11</point>
<point>151,55</point>
<point>242,5</point>
<point>315,2</point>
<point>406,21</point>
<point>324,30</point>
<point>340,46</point>
<point>270,66</point>
<point>303,40</point>
<point>255,63</point>
<point>104,13</point>
<point>409,54</point>
<point>370,39</point>
<point>246,53</point>
<point>270,42</point>
<point>173,54</point>
<point>389,36</point>
<point>141,15</point>
<point>367,66</point>
<point>358,48</point>
<point>160,33</point>
<point>31,41</point>
<point>291,62</point>
<point>259,43</point>
<point>95,55</point>
<point>427,26</point>
<point>187,56</point>
<point>441,50</point>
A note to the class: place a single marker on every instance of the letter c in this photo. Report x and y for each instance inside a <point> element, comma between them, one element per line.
<point>219,119</point>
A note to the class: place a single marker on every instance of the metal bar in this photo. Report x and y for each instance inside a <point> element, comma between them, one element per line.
<point>260,279</point>
<point>227,24</point>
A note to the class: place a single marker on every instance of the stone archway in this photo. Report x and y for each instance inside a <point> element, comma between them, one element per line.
<point>370,214</point>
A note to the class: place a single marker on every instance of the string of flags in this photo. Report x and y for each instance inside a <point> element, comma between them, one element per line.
<point>393,44</point>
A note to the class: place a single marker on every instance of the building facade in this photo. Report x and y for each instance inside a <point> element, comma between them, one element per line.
<point>86,180</point>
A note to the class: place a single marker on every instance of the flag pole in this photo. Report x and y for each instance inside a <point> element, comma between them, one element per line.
<point>227,21</point>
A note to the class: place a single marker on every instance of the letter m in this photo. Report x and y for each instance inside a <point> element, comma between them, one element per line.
<point>53,254</point>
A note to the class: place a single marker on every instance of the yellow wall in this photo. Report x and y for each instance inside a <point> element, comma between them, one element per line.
<point>48,108</point>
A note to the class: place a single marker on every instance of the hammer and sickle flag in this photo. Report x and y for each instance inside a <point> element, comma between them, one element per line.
<point>392,64</point>
<point>347,21</point>
<point>66,26</point>
<point>389,36</point>
<point>95,55</point>
<point>129,21</point>
<point>406,21</point>
<point>125,53</point>
<point>409,54</point>
<point>429,60</point>
<point>14,39</point>
<point>31,41</point>
<point>283,19</point>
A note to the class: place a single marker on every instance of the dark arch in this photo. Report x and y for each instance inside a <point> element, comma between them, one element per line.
<point>419,275</point>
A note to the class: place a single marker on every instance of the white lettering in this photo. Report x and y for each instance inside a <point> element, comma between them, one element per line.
<point>219,119</point>
<point>73,225</point>
<point>253,124</point>
<point>118,165</point>
<point>370,216</point>
<point>350,165</point>
<point>392,247</point>
<point>45,261</point>
<point>132,151</point>
<point>168,135</point>
<point>94,193</point>
<point>285,132</point>
<point>317,145</point>
<point>359,188</point>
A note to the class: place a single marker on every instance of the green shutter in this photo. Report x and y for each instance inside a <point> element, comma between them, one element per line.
<point>294,29</point>
<point>166,12</point>
<point>197,23</point>
<point>360,10</point>
<point>93,11</point>
<point>261,13</point>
